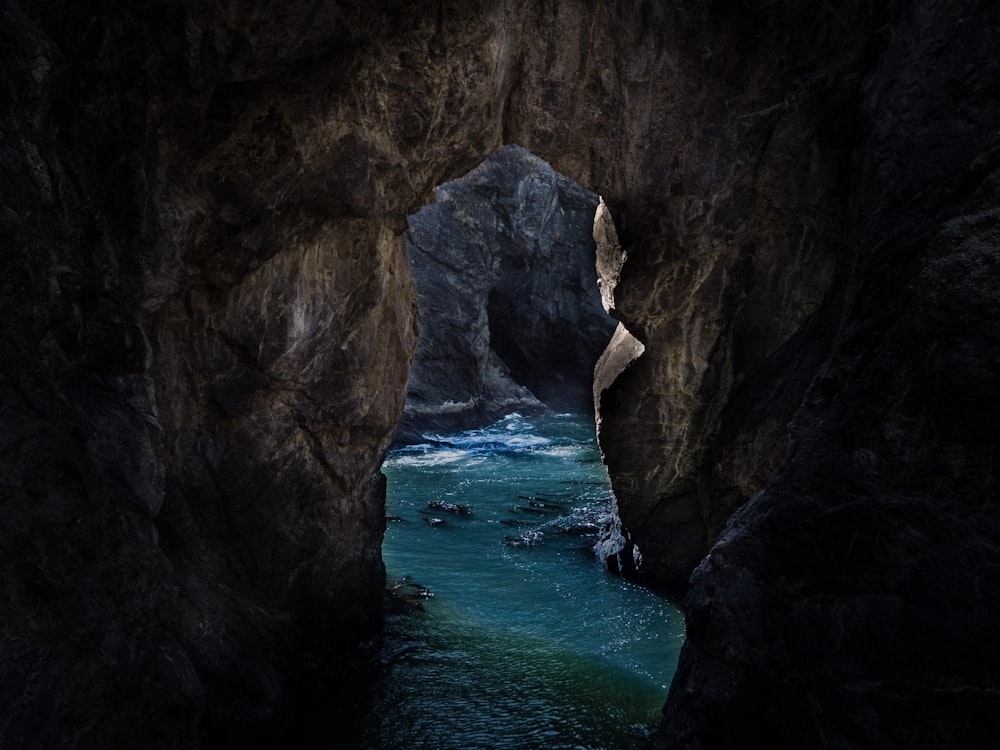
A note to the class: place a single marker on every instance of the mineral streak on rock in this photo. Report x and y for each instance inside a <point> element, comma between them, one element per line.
<point>510,311</point>
<point>208,314</point>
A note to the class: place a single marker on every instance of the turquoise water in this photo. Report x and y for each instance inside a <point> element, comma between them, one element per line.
<point>517,637</point>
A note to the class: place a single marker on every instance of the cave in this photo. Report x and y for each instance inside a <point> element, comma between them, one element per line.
<point>208,320</point>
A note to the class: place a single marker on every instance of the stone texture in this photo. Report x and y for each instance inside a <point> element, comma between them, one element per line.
<point>844,605</point>
<point>207,318</point>
<point>731,255</point>
<point>510,311</point>
<point>207,325</point>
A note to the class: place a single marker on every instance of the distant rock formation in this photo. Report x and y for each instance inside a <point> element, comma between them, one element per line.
<point>510,310</point>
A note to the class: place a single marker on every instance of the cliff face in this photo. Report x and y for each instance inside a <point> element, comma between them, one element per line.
<point>726,269</point>
<point>207,332</point>
<point>843,605</point>
<point>510,311</point>
<point>208,317</point>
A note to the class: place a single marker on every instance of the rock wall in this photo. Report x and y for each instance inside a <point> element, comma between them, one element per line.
<point>192,504</point>
<point>844,604</point>
<point>729,259</point>
<point>208,317</point>
<point>510,311</point>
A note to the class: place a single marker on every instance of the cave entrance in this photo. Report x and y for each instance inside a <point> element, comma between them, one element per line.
<point>510,312</point>
<point>511,632</point>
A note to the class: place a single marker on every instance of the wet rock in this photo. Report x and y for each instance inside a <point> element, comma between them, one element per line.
<point>410,594</point>
<point>455,509</point>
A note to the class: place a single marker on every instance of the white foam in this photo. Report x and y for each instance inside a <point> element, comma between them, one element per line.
<point>561,451</point>
<point>527,441</point>
<point>436,457</point>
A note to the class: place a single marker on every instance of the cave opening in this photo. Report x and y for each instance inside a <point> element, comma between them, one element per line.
<point>510,311</point>
<point>506,628</point>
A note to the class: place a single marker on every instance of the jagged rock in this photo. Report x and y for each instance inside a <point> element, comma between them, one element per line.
<point>208,315</point>
<point>201,374</point>
<point>509,306</point>
<point>842,606</point>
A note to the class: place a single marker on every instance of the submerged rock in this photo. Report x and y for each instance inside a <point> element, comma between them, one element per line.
<point>410,594</point>
<point>456,509</point>
<point>517,522</point>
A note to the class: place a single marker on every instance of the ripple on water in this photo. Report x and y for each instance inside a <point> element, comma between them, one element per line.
<point>527,641</point>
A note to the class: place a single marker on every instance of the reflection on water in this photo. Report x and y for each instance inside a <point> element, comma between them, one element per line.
<point>516,637</point>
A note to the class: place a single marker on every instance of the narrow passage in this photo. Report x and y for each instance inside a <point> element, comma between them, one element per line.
<point>514,634</point>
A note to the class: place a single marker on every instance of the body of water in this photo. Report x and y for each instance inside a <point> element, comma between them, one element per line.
<point>516,635</point>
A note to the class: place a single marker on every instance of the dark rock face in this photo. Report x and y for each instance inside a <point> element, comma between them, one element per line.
<point>192,506</point>
<point>725,279</point>
<point>208,316</point>
<point>510,311</point>
<point>844,605</point>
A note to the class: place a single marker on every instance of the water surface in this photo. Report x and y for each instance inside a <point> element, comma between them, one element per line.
<point>520,638</point>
